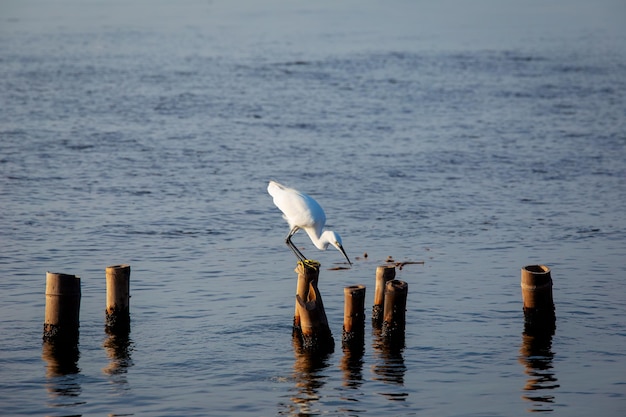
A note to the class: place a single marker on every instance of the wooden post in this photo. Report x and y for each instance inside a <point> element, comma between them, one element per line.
<point>310,320</point>
<point>62,308</point>
<point>384,273</point>
<point>118,295</point>
<point>354,315</point>
<point>394,314</point>
<point>306,274</point>
<point>536,286</point>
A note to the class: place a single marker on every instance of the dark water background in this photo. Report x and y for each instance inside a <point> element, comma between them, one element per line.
<point>477,137</point>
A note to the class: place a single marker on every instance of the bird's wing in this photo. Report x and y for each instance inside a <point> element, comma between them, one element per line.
<point>299,209</point>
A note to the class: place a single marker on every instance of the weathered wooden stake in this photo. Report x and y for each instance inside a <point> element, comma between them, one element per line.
<point>61,320</point>
<point>310,320</point>
<point>306,274</point>
<point>394,314</point>
<point>354,315</point>
<point>384,273</point>
<point>536,286</point>
<point>118,295</point>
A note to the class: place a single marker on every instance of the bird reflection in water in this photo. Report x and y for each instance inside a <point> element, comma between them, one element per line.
<point>119,347</point>
<point>536,355</point>
<point>390,367</point>
<point>62,372</point>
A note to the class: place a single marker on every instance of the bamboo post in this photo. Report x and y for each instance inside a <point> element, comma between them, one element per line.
<point>306,275</point>
<point>384,273</point>
<point>117,299</point>
<point>354,314</point>
<point>310,321</point>
<point>536,283</point>
<point>394,313</point>
<point>61,320</point>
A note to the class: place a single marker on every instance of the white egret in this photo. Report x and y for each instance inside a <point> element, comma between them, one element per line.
<point>301,211</point>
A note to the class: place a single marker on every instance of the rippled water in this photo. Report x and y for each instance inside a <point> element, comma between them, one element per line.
<point>476,139</point>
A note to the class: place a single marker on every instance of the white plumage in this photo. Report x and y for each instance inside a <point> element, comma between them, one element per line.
<point>301,211</point>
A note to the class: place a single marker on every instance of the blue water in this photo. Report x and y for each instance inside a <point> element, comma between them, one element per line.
<point>477,138</point>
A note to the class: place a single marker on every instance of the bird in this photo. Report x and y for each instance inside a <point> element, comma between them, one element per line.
<point>301,211</point>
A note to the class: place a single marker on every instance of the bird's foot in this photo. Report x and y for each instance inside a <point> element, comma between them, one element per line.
<point>310,263</point>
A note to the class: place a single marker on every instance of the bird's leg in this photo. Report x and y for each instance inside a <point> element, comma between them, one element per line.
<point>293,248</point>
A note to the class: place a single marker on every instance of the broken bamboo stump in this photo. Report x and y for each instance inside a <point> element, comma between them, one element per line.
<point>61,320</point>
<point>354,315</point>
<point>310,322</point>
<point>384,274</point>
<point>536,283</point>
<point>117,299</point>
<point>394,314</point>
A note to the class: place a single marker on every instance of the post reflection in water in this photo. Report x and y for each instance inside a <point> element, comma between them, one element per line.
<point>118,347</point>
<point>352,366</point>
<point>62,372</point>
<point>390,367</point>
<point>536,355</point>
<point>309,378</point>
<point>352,371</point>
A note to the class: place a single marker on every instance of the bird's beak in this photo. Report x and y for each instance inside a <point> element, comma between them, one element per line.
<point>344,254</point>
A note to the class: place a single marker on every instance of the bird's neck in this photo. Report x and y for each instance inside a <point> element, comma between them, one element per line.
<point>320,241</point>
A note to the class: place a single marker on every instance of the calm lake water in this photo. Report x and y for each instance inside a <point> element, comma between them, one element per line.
<point>477,138</point>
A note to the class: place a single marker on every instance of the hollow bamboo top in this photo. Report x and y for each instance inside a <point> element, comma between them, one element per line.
<point>121,266</point>
<point>354,289</point>
<point>385,272</point>
<point>308,265</point>
<point>536,276</point>
<point>397,285</point>
<point>536,269</point>
<point>118,272</point>
<point>62,284</point>
<point>386,267</point>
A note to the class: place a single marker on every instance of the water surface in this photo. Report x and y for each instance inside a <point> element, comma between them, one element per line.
<point>476,139</point>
